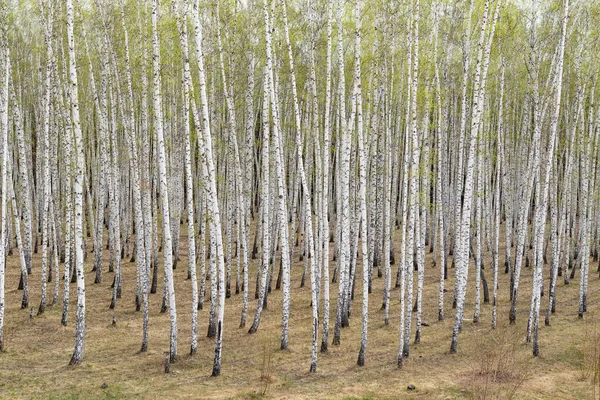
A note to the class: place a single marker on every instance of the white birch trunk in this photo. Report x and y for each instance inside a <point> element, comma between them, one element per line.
<point>463,245</point>
<point>307,209</point>
<point>540,219</point>
<point>4,132</point>
<point>344,191</point>
<point>182,27</point>
<point>206,151</point>
<point>325,195</point>
<point>24,181</point>
<point>163,186</point>
<point>140,229</point>
<point>77,193</point>
<point>46,156</point>
<point>497,206</point>
<point>413,230</point>
<point>13,199</point>
<point>363,187</point>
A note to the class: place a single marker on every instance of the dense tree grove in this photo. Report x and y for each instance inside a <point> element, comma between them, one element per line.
<point>353,135</point>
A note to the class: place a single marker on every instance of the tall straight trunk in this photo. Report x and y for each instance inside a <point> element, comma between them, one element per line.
<point>147,202</point>
<point>540,218</point>
<point>206,151</point>
<point>65,105</point>
<point>542,201</point>
<point>116,201</point>
<point>497,206</point>
<point>163,186</point>
<point>387,205</point>
<point>413,240</point>
<point>317,178</point>
<point>461,143</point>
<point>46,185</point>
<point>465,218</point>
<point>25,194</point>
<point>479,203</point>
<point>325,198</point>
<point>264,214</point>
<point>422,228</point>
<point>404,268</point>
<point>343,190</point>
<point>248,181</point>
<point>15,211</point>
<point>102,160</point>
<point>182,27</point>
<point>585,141</point>
<point>363,186</point>
<point>77,193</point>
<point>140,233</point>
<point>5,151</point>
<point>439,206</point>
<point>307,209</point>
<point>563,205</point>
<point>239,194</point>
<point>281,189</point>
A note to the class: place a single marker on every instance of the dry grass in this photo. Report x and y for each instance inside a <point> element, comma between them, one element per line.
<point>34,364</point>
<point>590,367</point>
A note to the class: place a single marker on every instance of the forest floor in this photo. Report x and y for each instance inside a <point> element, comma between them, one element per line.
<point>489,363</point>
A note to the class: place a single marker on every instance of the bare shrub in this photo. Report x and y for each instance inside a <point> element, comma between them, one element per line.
<point>497,372</point>
<point>269,344</point>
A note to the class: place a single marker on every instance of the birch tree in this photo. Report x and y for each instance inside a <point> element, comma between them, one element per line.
<point>4,128</point>
<point>77,193</point>
<point>164,190</point>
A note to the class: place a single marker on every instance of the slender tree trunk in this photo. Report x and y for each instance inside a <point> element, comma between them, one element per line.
<point>77,193</point>
<point>4,132</point>
<point>325,200</point>
<point>206,151</point>
<point>163,186</point>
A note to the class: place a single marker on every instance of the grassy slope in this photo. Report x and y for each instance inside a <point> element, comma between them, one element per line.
<point>34,364</point>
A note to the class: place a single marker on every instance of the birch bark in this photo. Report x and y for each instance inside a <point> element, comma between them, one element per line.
<point>77,193</point>
<point>163,186</point>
